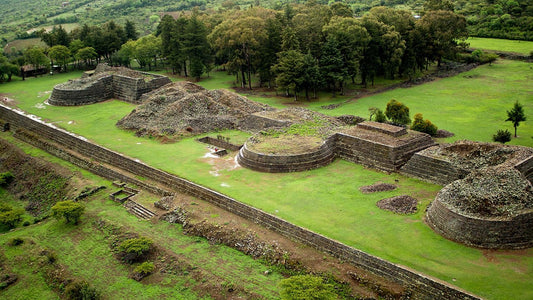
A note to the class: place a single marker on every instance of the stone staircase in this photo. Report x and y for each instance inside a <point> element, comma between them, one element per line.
<point>138,210</point>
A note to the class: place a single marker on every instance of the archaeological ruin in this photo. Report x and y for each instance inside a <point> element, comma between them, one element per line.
<point>486,201</point>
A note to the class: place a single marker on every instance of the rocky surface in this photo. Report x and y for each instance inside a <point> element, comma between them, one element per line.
<point>403,204</point>
<point>377,187</point>
<point>186,108</point>
<point>499,191</point>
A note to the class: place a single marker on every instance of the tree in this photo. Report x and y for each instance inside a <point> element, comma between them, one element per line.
<point>306,287</point>
<point>289,70</point>
<point>397,112</point>
<point>240,38</point>
<point>332,66</point>
<point>502,136</point>
<point>130,31</point>
<point>135,249</point>
<point>441,31</point>
<point>421,125</point>
<point>57,36</point>
<point>60,54</point>
<point>69,210</point>
<point>35,56</point>
<point>86,54</point>
<point>516,115</point>
<point>196,47</point>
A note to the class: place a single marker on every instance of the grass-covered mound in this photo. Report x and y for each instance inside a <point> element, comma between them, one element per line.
<point>185,108</point>
<point>307,132</point>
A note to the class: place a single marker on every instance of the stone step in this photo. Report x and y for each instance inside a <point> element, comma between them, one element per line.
<point>139,210</point>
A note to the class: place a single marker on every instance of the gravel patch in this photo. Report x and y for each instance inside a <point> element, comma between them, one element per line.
<point>403,204</point>
<point>377,187</point>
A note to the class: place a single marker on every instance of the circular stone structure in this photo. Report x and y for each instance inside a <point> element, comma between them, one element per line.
<point>491,208</point>
<point>289,161</point>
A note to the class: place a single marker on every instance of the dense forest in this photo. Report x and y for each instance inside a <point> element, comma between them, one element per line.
<point>511,19</point>
<point>300,48</point>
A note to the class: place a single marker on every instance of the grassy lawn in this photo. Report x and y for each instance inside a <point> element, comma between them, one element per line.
<point>472,105</point>
<point>522,47</point>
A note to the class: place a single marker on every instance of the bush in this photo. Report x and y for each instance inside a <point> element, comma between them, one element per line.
<point>421,125</point>
<point>16,242</point>
<point>397,112</point>
<point>6,178</point>
<point>502,136</point>
<point>135,249</point>
<point>69,210</point>
<point>80,290</point>
<point>306,287</point>
<point>380,116</point>
<point>143,270</point>
<point>10,218</point>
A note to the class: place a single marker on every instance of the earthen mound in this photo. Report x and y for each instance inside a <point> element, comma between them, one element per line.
<point>499,191</point>
<point>403,204</point>
<point>377,187</point>
<point>184,107</point>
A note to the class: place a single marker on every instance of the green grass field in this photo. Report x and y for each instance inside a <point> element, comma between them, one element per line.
<point>472,105</point>
<point>521,47</point>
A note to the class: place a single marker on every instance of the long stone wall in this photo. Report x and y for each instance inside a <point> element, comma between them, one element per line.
<point>322,156</point>
<point>510,233</point>
<point>421,287</point>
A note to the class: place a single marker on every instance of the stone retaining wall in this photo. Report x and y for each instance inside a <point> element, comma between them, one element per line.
<point>421,286</point>
<point>220,143</point>
<point>104,87</point>
<point>511,233</point>
<point>377,155</point>
<point>431,169</point>
<point>322,156</point>
<point>97,91</point>
<point>526,167</point>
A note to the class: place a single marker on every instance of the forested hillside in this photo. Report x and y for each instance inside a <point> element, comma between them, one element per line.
<point>511,19</point>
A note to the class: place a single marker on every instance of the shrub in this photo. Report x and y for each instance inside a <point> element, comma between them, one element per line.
<point>143,270</point>
<point>421,125</point>
<point>306,287</point>
<point>397,112</point>
<point>377,115</point>
<point>69,210</point>
<point>135,249</point>
<point>502,136</point>
<point>6,178</point>
<point>16,241</point>
<point>10,218</point>
<point>80,290</point>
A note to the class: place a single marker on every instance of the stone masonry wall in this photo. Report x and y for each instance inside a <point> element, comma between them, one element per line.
<point>100,90</point>
<point>511,233</point>
<point>431,169</point>
<point>377,155</point>
<point>422,287</point>
<point>125,88</point>
<point>526,167</point>
<point>322,156</point>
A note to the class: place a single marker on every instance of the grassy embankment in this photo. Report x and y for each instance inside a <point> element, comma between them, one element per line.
<point>85,252</point>
<point>471,104</point>
<point>521,47</point>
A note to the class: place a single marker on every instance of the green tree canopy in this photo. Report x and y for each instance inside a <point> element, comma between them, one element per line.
<point>69,210</point>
